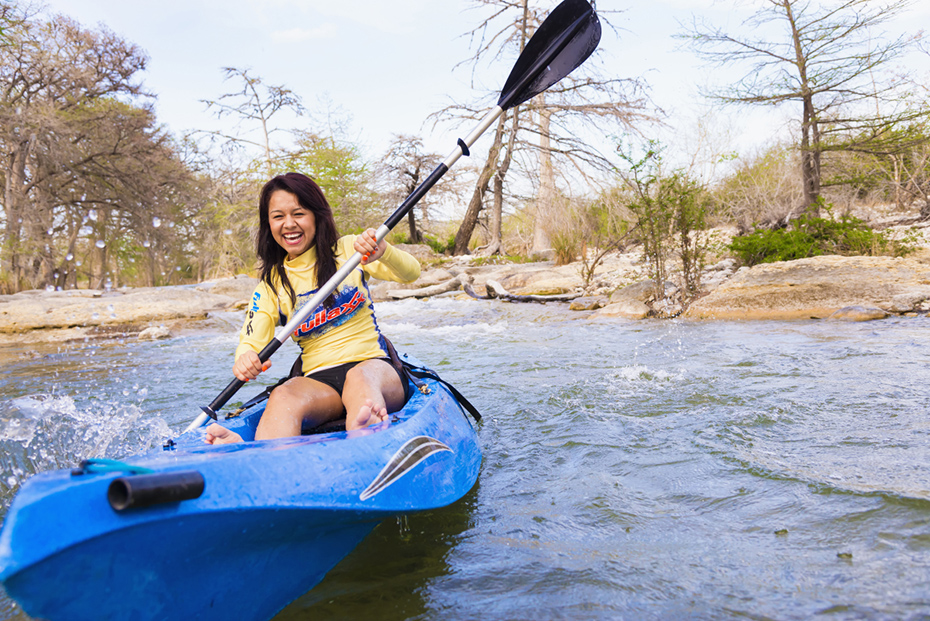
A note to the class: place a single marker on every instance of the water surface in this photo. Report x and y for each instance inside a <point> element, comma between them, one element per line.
<point>640,470</point>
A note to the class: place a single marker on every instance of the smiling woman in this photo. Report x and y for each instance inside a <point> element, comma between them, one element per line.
<point>345,368</point>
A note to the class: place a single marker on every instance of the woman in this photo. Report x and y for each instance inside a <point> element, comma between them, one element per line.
<point>345,367</point>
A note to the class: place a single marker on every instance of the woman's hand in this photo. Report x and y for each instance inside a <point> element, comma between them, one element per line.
<point>368,247</point>
<point>248,366</point>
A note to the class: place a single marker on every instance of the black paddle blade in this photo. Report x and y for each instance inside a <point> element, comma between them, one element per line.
<point>564,40</point>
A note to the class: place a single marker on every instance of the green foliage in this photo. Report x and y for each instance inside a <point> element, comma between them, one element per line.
<point>671,215</point>
<point>501,259</point>
<point>811,236</point>
<point>343,175</point>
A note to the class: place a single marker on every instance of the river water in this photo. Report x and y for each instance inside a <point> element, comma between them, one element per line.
<point>632,470</point>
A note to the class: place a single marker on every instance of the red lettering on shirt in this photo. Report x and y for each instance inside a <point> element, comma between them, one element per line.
<point>322,316</point>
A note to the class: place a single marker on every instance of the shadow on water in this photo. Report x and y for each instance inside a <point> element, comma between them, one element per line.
<point>388,576</point>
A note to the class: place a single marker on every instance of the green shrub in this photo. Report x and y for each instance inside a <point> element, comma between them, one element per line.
<point>811,236</point>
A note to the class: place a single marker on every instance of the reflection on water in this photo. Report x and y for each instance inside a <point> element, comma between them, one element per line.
<point>632,469</point>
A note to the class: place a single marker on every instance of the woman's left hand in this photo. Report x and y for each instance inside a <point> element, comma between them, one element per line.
<point>367,245</point>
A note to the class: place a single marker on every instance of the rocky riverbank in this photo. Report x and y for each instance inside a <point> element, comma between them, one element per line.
<point>866,287</point>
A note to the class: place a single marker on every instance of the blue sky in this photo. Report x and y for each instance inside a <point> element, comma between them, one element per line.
<point>388,65</point>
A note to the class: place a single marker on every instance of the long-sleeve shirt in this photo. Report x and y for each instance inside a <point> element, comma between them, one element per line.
<point>347,332</point>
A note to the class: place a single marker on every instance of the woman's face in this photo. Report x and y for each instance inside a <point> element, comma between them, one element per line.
<point>292,225</point>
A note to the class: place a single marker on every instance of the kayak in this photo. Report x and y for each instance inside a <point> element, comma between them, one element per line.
<point>238,531</point>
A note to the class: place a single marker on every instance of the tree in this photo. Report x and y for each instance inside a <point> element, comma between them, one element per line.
<point>254,102</point>
<point>670,211</point>
<point>342,173</point>
<point>825,57</point>
<point>87,169</point>
<point>403,168</point>
<point>550,133</point>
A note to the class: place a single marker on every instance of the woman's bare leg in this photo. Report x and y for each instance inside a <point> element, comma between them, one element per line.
<point>297,400</point>
<point>292,403</point>
<point>372,390</point>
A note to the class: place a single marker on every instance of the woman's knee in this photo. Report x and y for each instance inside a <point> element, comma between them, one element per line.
<point>290,391</point>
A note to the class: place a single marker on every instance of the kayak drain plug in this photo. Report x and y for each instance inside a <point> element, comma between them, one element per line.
<point>145,490</point>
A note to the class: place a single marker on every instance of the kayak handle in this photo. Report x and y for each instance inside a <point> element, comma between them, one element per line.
<point>145,490</point>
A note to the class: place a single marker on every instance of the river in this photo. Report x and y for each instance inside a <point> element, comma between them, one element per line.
<point>632,470</point>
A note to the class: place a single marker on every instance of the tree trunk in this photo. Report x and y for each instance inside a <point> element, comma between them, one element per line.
<point>463,237</point>
<point>546,197</point>
<point>810,130</point>
<point>495,246</point>
<point>415,236</point>
<point>14,202</point>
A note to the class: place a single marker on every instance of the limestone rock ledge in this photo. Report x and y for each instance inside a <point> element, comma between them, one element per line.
<point>817,287</point>
<point>83,309</point>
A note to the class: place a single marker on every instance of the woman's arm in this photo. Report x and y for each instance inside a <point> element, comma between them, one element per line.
<point>384,260</point>
<point>260,319</point>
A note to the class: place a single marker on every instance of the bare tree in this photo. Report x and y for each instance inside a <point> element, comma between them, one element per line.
<point>403,168</point>
<point>254,102</point>
<point>825,57</point>
<point>550,134</point>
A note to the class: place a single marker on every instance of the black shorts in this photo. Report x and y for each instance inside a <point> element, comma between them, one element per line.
<point>335,377</point>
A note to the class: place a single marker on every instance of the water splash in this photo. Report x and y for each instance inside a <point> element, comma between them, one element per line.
<point>45,432</point>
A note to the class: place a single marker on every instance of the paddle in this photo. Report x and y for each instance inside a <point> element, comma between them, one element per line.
<point>565,39</point>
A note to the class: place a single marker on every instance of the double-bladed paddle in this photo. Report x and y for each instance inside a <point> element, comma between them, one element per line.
<point>563,41</point>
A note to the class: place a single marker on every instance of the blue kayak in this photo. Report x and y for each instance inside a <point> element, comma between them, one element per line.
<point>227,532</point>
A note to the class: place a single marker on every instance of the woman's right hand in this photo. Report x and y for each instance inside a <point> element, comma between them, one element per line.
<point>248,366</point>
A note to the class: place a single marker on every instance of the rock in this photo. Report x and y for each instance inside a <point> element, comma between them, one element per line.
<point>858,313</point>
<point>910,300</point>
<point>642,291</point>
<point>726,265</point>
<point>23,313</point>
<point>815,288</point>
<point>593,302</point>
<point>422,252</point>
<point>241,287</point>
<point>155,333</point>
<point>628,309</point>
<point>542,281</point>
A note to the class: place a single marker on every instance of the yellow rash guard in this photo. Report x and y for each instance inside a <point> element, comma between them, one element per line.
<point>348,332</point>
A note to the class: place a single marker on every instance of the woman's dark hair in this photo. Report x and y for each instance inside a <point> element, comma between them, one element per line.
<point>310,197</point>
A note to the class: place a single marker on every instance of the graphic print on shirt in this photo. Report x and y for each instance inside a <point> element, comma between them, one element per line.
<point>348,301</point>
<point>253,308</point>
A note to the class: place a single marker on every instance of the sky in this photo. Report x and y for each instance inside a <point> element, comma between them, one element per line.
<point>387,65</point>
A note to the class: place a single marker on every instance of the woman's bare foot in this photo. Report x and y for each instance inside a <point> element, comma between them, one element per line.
<point>368,415</point>
<point>217,434</point>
